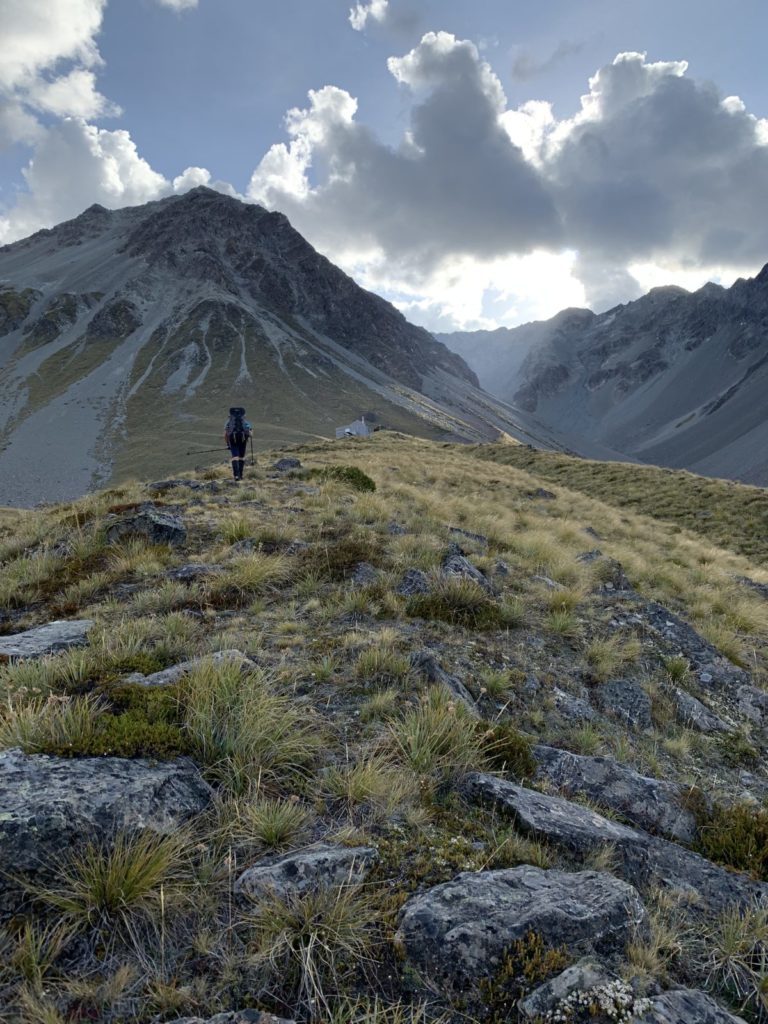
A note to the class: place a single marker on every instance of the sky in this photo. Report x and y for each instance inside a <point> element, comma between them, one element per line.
<point>480,163</point>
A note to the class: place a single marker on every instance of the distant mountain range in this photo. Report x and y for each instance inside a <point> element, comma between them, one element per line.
<point>676,378</point>
<point>126,335</point>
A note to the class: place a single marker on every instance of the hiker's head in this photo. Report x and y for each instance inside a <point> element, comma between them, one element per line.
<point>237,410</point>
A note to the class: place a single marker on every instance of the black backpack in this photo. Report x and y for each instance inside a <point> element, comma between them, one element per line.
<point>236,427</point>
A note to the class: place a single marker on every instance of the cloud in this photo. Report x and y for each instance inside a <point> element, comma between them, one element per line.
<point>361,13</point>
<point>178,5</point>
<point>525,66</point>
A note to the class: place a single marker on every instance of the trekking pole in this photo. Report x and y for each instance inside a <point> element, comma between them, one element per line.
<point>253,460</point>
<point>205,451</point>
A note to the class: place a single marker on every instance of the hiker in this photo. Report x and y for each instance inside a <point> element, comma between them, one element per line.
<point>236,435</point>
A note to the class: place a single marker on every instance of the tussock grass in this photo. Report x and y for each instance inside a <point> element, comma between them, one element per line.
<point>376,781</point>
<point>262,822</point>
<point>242,731</point>
<point>608,656</point>
<point>438,737</point>
<point>382,664</point>
<point>44,723</point>
<point>463,602</point>
<point>248,577</point>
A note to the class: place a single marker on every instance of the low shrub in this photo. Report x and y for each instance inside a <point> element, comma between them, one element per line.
<point>351,475</point>
<point>508,750</point>
<point>528,963</point>
<point>438,737</point>
<point>463,602</point>
<point>737,836</point>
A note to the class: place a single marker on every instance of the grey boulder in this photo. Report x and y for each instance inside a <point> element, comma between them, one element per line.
<point>646,861</point>
<point>654,805</point>
<point>52,805</point>
<point>425,664</point>
<point>687,1006</point>
<point>48,639</point>
<point>304,870</point>
<point>691,713</point>
<point>457,566</point>
<point>152,524</point>
<point>575,709</point>
<point>580,977</point>
<point>459,932</point>
<point>286,464</point>
<point>413,581</point>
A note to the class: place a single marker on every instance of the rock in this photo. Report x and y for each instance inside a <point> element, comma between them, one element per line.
<point>364,574</point>
<point>478,538</point>
<point>758,588</point>
<point>654,805</point>
<point>576,709</point>
<point>150,523</point>
<point>540,492</point>
<point>548,583</point>
<point>626,700</point>
<point>694,715</point>
<point>590,556</point>
<point>614,578</point>
<point>414,581</point>
<point>678,637</point>
<point>161,486</point>
<point>235,1017</point>
<point>286,464</point>
<point>171,676</point>
<point>425,664</point>
<point>193,571</point>
<point>753,703</point>
<point>458,932</point>
<point>52,805</point>
<point>55,636</point>
<point>304,870</point>
<point>686,1006</point>
<point>645,861</point>
<point>396,530</point>
<point>501,568</point>
<point>592,532</point>
<point>581,977</point>
<point>458,566</point>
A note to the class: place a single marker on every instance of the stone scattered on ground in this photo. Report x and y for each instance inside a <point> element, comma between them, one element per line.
<point>192,572</point>
<point>286,464</point>
<point>753,585</point>
<point>364,574</point>
<point>304,870</point>
<point>457,565</point>
<point>152,524</point>
<point>548,583</point>
<point>626,700</point>
<point>51,805</point>
<point>572,707</point>
<point>654,805</point>
<point>170,676</point>
<point>414,581</point>
<point>541,492</point>
<point>396,529</point>
<point>235,1017</point>
<point>693,714</point>
<point>580,977</point>
<point>613,578</point>
<point>686,1006</point>
<point>478,538</point>
<point>457,933</point>
<point>425,664</point>
<point>645,861</point>
<point>48,639</point>
<point>587,557</point>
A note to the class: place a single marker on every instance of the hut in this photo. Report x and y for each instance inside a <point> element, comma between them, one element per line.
<point>357,429</point>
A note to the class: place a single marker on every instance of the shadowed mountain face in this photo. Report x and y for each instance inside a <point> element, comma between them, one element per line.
<point>676,378</point>
<point>125,336</point>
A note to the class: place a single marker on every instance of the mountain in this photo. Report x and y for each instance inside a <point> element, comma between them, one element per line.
<point>126,335</point>
<point>675,378</point>
<point>495,356</point>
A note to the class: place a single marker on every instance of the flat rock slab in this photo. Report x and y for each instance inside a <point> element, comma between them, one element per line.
<point>643,860</point>
<point>586,974</point>
<point>687,1006</point>
<point>51,805</point>
<point>304,870</point>
<point>54,636</point>
<point>654,805</point>
<point>152,524</point>
<point>575,709</point>
<point>457,933</point>
<point>171,676</point>
<point>691,713</point>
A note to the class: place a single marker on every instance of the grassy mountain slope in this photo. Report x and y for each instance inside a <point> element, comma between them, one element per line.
<point>333,735</point>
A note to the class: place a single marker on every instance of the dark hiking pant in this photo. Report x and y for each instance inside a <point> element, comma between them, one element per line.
<point>238,458</point>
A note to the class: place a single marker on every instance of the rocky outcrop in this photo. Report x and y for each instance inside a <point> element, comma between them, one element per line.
<point>151,524</point>
<point>457,566</point>
<point>627,701</point>
<point>413,581</point>
<point>643,860</point>
<point>457,933</point>
<point>654,805</point>
<point>694,715</point>
<point>586,987</point>
<point>304,870</point>
<point>51,805</point>
<point>48,639</point>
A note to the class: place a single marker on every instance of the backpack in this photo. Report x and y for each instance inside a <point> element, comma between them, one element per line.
<point>236,427</point>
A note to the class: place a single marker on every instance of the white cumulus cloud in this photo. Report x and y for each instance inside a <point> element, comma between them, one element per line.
<point>361,13</point>
<point>178,5</point>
